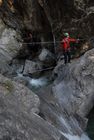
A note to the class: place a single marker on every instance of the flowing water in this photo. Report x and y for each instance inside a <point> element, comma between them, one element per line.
<point>39,82</point>
<point>43,81</point>
<point>35,84</point>
<point>75,137</point>
<point>69,135</point>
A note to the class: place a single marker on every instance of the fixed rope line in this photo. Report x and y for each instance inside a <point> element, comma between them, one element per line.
<point>43,69</point>
<point>31,43</point>
<point>45,42</point>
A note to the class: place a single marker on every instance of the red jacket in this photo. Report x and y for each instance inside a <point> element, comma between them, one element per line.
<point>65,43</point>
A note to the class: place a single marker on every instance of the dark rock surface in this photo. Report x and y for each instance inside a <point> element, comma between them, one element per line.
<point>52,17</point>
<point>48,20</point>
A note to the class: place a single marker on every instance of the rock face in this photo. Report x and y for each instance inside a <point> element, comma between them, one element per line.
<point>9,47</point>
<point>48,22</point>
<point>74,84</point>
<point>71,16</point>
<point>52,17</point>
<point>18,114</point>
<point>66,103</point>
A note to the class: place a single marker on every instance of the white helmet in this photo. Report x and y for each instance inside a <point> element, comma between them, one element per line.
<point>66,34</point>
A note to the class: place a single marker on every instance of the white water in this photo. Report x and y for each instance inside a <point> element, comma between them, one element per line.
<point>35,82</point>
<point>84,137</point>
<point>62,120</point>
<point>38,82</point>
<point>75,137</point>
<point>69,135</point>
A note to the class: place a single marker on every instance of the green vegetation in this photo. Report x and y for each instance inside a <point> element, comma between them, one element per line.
<point>8,85</point>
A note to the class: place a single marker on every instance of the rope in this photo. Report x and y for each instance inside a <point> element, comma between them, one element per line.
<point>45,42</point>
<point>31,43</point>
<point>44,69</point>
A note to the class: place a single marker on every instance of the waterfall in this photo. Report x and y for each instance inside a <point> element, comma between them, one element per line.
<point>70,135</point>
<point>84,137</point>
<point>75,137</point>
<point>63,121</point>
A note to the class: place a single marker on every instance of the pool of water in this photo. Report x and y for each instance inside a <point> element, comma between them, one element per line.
<point>90,126</point>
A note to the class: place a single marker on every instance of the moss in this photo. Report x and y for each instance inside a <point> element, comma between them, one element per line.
<point>8,85</point>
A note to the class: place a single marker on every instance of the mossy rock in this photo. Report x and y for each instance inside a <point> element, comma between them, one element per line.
<point>8,85</point>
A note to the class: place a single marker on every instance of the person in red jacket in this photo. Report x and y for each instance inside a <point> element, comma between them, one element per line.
<point>65,45</point>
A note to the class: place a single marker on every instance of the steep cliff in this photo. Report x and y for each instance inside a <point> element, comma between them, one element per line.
<point>52,17</point>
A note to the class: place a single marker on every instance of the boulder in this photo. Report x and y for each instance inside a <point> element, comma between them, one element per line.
<point>32,68</point>
<point>47,58</point>
<point>19,119</point>
<point>18,95</point>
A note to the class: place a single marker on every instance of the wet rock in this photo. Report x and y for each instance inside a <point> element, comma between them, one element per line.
<point>32,68</point>
<point>57,115</point>
<point>18,114</point>
<point>67,102</point>
<point>73,86</point>
<point>47,58</point>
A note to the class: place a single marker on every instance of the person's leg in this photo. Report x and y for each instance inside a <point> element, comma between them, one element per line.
<point>69,56</point>
<point>65,57</point>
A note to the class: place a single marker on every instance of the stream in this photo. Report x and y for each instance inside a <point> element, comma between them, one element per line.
<point>35,84</point>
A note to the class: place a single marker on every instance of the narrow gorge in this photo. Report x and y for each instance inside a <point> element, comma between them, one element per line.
<point>41,98</point>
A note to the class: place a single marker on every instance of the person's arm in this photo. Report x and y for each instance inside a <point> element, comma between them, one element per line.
<point>72,40</point>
